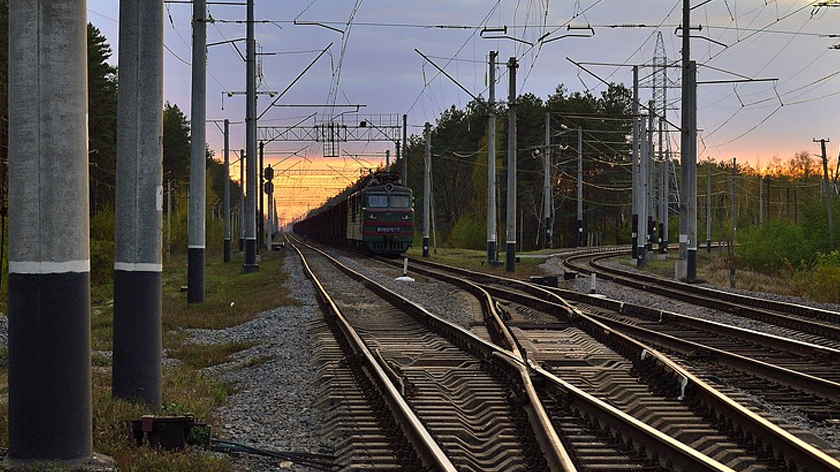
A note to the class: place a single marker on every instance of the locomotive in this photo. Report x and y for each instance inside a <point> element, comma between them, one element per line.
<point>375,215</point>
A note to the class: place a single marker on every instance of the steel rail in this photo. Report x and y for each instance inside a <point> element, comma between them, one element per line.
<point>682,456</point>
<point>666,447</point>
<point>774,312</point>
<point>553,450</point>
<point>801,380</point>
<point>800,452</point>
<point>427,448</point>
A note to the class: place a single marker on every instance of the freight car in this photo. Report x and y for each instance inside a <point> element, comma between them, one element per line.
<point>374,215</point>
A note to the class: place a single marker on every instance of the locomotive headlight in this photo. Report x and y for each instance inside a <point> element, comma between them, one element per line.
<point>372,216</point>
<point>406,216</point>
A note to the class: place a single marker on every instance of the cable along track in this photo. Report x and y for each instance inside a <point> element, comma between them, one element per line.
<point>763,445</point>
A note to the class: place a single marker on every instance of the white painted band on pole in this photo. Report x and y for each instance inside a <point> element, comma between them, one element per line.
<point>159,198</point>
<point>42,267</point>
<point>196,246</point>
<point>138,267</point>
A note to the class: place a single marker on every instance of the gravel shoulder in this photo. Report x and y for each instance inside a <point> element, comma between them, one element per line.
<point>272,406</point>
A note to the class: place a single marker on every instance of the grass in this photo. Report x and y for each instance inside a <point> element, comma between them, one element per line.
<point>231,298</point>
<point>199,356</point>
<point>715,268</point>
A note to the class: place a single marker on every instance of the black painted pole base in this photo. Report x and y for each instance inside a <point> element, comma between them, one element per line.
<point>641,255</point>
<point>691,265</point>
<point>250,264</point>
<point>547,242</point>
<point>50,406</point>
<point>651,234</point>
<point>491,252</point>
<point>241,245</point>
<point>195,275</point>
<point>510,257</point>
<point>227,250</point>
<point>138,350</point>
<point>425,247</point>
<point>634,240</point>
<point>663,240</point>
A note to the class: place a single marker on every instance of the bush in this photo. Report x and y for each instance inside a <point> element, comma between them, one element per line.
<point>101,261</point>
<point>822,283</point>
<point>774,246</point>
<point>468,234</point>
<point>102,225</point>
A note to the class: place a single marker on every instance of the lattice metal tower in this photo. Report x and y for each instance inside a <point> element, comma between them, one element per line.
<point>660,77</point>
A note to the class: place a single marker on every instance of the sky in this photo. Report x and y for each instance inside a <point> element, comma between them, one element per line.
<point>769,79</point>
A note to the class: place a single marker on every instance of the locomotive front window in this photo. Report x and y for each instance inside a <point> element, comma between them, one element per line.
<point>378,201</point>
<point>400,201</point>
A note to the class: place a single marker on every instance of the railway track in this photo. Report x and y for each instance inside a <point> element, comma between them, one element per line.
<point>529,307</point>
<point>811,324</point>
<point>811,369</point>
<point>471,418</point>
<point>477,400</point>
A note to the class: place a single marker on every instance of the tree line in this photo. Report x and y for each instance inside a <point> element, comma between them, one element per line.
<point>790,191</point>
<point>459,168</point>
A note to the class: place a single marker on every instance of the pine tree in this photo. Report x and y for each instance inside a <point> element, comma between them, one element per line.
<point>102,120</point>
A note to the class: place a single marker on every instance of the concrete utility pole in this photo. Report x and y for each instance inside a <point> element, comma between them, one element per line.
<point>760,199</point>
<point>642,181</point>
<point>634,222</point>
<point>709,209</point>
<point>427,186</point>
<point>242,200</point>
<point>491,163</point>
<point>198,156</point>
<point>405,150</point>
<point>651,181</point>
<point>250,264</point>
<point>510,236</point>
<point>169,218</point>
<point>547,182</point>
<point>137,363</point>
<point>734,201</point>
<point>663,195</point>
<point>227,192</point>
<point>50,413</point>
<point>687,263</point>
<point>579,235</point>
<point>261,195</point>
<point>829,190</point>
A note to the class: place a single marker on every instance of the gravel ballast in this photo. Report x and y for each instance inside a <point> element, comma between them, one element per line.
<point>274,381</point>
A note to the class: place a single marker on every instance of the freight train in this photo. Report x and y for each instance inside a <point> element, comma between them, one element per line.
<point>376,215</point>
